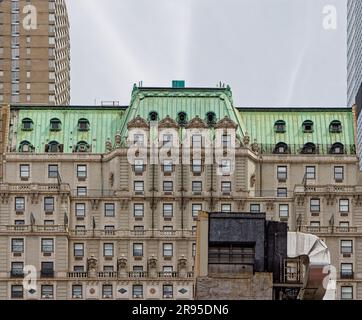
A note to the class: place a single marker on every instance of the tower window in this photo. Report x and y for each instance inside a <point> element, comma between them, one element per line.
<point>309,148</point>
<point>153,116</point>
<point>82,146</point>
<point>55,124</point>
<point>337,148</point>
<point>27,124</point>
<point>25,146</point>
<point>83,125</point>
<point>279,126</point>
<point>308,126</point>
<point>335,126</point>
<point>281,148</point>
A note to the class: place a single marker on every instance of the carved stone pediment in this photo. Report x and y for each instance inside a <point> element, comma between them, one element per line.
<point>226,123</point>
<point>168,122</point>
<point>138,122</point>
<point>198,123</point>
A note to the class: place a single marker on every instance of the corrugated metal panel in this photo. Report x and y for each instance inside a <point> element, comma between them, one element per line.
<point>104,123</point>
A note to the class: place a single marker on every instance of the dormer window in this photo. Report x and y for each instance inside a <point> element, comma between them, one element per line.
<point>83,125</point>
<point>308,126</point>
<point>55,124</point>
<point>337,148</point>
<point>211,118</point>
<point>82,146</point>
<point>309,148</point>
<point>27,124</point>
<point>182,118</point>
<point>279,126</point>
<point>153,116</point>
<point>53,147</point>
<point>335,126</point>
<point>26,146</point>
<point>281,148</point>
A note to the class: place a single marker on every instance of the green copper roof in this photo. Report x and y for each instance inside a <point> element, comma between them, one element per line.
<point>104,123</point>
<point>170,101</point>
<point>259,124</point>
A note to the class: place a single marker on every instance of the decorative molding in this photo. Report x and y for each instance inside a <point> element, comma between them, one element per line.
<point>5,197</point>
<point>270,206</point>
<point>330,198</point>
<point>197,123</point>
<point>138,122</point>
<point>34,198</point>
<point>168,123</point>
<point>95,204</point>
<point>300,199</point>
<point>241,204</point>
<point>226,123</point>
<point>357,200</point>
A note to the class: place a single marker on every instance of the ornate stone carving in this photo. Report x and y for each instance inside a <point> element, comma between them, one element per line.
<point>168,122</point>
<point>357,200</point>
<point>152,262</point>
<point>246,139</point>
<point>241,204</point>
<point>138,122</point>
<point>34,198</point>
<point>270,206</point>
<point>255,147</point>
<point>300,199</point>
<point>124,203</point>
<point>226,123</point>
<point>117,139</point>
<point>92,264</point>
<point>252,180</point>
<point>109,145</point>
<point>198,123</point>
<point>330,198</point>
<point>122,263</point>
<point>111,179</point>
<point>95,204</point>
<point>4,197</point>
<point>182,262</point>
<point>64,198</point>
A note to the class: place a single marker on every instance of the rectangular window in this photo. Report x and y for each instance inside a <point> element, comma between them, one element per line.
<point>315,205</point>
<point>137,291</point>
<point>194,249</point>
<point>196,166</point>
<point>79,250</point>
<point>167,210</point>
<point>226,167</point>
<point>196,207</point>
<point>338,174</point>
<point>108,249</point>
<point>19,204</point>
<point>282,173</point>
<point>226,187</point>
<point>77,291</point>
<point>138,250</point>
<point>47,292</point>
<point>346,246</point>
<point>167,166</point>
<point>167,250</point>
<point>109,209</point>
<point>167,291</point>
<point>167,186</point>
<point>283,211</point>
<point>346,270</point>
<point>310,172</point>
<point>47,245</point>
<point>80,210</point>
<point>282,192</point>
<point>17,245</point>
<point>17,292</point>
<point>196,141</point>
<point>17,269</point>
<point>255,208</point>
<point>81,191</point>
<point>138,166</point>
<point>346,293</point>
<point>47,269</point>
<point>138,210</point>
<point>53,171</point>
<point>167,140</point>
<point>24,171</point>
<point>81,171</point>
<point>344,226</point>
<point>226,141</point>
<point>107,291</point>
<point>196,186</point>
<point>343,205</point>
<point>139,139</point>
<point>49,204</point>
<point>226,208</point>
<point>138,186</point>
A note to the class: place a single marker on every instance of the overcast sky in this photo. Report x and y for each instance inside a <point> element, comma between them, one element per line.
<point>271,52</point>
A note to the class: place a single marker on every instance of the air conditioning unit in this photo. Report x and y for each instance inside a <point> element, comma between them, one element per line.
<point>107,296</point>
<point>47,296</point>
<point>167,296</point>
<point>77,296</point>
<point>137,296</point>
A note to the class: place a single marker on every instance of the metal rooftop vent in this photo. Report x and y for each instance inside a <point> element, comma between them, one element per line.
<point>178,83</point>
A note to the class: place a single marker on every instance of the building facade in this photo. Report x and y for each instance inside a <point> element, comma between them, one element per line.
<point>34,52</point>
<point>91,224</point>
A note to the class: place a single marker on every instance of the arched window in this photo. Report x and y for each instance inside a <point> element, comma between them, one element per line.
<point>281,148</point>
<point>55,124</point>
<point>27,124</point>
<point>153,116</point>
<point>279,126</point>
<point>337,148</point>
<point>82,146</point>
<point>25,146</point>
<point>308,126</point>
<point>335,126</point>
<point>211,118</point>
<point>309,148</point>
<point>53,147</point>
<point>83,125</point>
<point>182,118</point>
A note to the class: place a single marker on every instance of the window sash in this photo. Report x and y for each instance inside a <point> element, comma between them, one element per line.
<point>24,171</point>
<point>137,250</point>
<point>47,245</point>
<point>168,210</point>
<point>138,210</point>
<point>109,209</point>
<point>167,250</point>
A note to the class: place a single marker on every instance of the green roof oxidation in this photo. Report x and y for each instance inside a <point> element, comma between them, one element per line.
<point>104,123</point>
